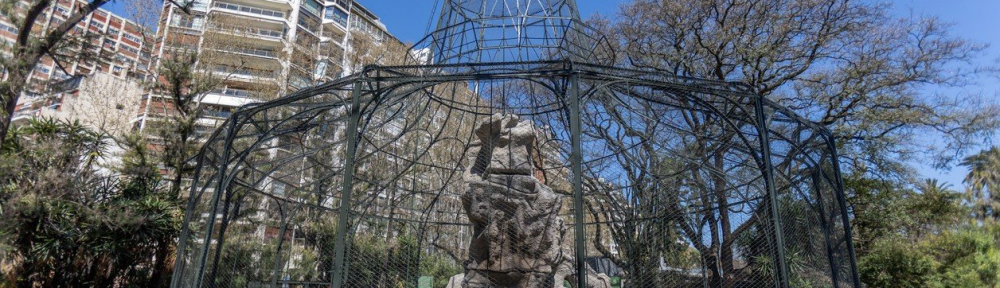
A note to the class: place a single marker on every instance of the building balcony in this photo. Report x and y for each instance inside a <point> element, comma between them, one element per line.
<point>23,116</point>
<point>284,3</point>
<point>333,33</point>
<point>228,98</point>
<point>331,23</point>
<point>315,11</point>
<point>257,33</point>
<point>190,27</point>
<point>239,26</point>
<point>244,75</point>
<point>248,51</point>
<point>250,11</point>
<point>300,68</point>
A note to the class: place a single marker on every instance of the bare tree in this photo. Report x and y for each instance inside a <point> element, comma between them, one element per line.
<point>188,70</point>
<point>365,49</point>
<point>29,47</point>
<point>58,42</point>
<point>105,103</point>
<point>848,65</point>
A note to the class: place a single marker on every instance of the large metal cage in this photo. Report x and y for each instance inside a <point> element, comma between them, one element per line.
<point>663,181</point>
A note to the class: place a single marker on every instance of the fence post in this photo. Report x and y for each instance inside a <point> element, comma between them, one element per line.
<point>220,188</point>
<point>576,157</point>
<point>345,200</point>
<point>842,200</point>
<point>765,150</point>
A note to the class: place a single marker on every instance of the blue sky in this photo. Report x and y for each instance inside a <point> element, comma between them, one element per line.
<point>974,20</point>
<point>407,19</point>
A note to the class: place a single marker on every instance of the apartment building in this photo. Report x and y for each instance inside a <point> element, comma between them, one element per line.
<point>260,48</point>
<point>119,42</point>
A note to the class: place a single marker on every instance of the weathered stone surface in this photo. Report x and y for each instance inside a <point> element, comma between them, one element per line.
<point>455,281</point>
<point>518,238</point>
<point>516,226</point>
<point>507,146</point>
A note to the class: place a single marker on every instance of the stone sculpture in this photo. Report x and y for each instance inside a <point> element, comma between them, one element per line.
<point>518,238</point>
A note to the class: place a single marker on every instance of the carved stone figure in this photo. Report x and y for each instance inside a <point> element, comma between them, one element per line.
<point>518,238</point>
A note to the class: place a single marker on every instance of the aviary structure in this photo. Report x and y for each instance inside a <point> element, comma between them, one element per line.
<point>620,175</point>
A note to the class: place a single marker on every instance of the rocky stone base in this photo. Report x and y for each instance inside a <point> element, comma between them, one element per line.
<point>519,240</point>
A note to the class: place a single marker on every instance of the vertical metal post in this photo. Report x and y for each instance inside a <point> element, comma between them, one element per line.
<point>277,270</point>
<point>765,148</point>
<point>848,235</point>
<point>345,192</point>
<point>189,214</point>
<point>576,157</point>
<point>824,223</point>
<point>220,188</point>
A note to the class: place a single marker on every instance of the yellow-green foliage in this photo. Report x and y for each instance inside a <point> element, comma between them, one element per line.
<point>969,257</point>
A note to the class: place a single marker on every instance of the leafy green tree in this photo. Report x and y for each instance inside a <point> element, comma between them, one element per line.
<point>820,59</point>
<point>919,238</point>
<point>934,208</point>
<point>877,208</point>
<point>967,257</point>
<point>67,222</point>
<point>983,183</point>
<point>889,264</point>
<point>848,65</point>
<point>29,47</point>
<point>33,42</point>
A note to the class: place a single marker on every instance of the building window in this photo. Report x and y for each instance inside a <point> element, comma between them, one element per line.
<point>62,11</point>
<point>312,6</point>
<point>233,92</point>
<point>190,22</point>
<point>309,23</point>
<point>10,29</point>
<point>133,38</point>
<point>97,25</point>
<point>130,49</point>
<point>198,5</point>
<point>337,15</point>
<point>307,41</point>
<point>113,31</point>
<point>263,52</point>
<point>251,10</point>
<point>299,81</point>
<point>217,111</point>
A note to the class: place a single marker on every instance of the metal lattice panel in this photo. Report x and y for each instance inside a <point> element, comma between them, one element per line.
<point>661,181</point>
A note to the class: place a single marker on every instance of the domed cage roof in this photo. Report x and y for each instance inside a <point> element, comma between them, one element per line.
<point>517,157</point>
<point>505,31</point>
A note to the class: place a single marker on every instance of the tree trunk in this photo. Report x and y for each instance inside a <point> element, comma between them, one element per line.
<point>11,91</point>
<point>712,263</point>
<point>724,221</point>
<point>161,267</point>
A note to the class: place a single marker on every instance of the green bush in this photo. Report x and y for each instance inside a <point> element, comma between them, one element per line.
<point>890,264</point>
<point>967,257</point>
